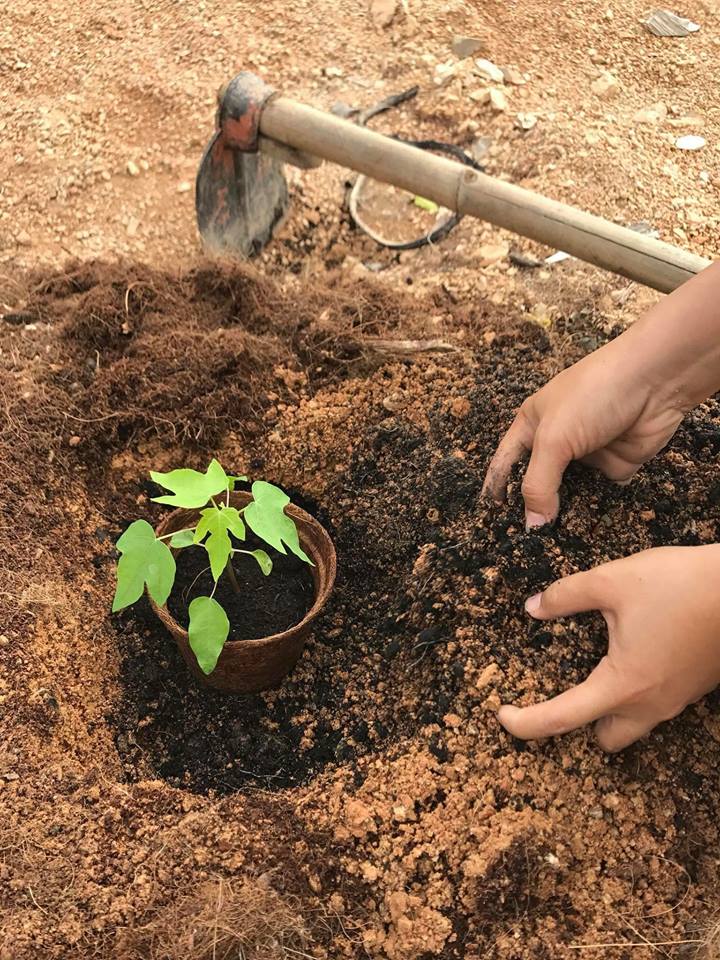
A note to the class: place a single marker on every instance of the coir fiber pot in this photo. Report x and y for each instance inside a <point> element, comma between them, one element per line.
<point>247,666</point>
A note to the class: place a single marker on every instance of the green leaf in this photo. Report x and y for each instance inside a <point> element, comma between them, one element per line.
<point>265,515</point>
<point>190,488</point>
<point>144,560</point>
<point>264,561</point>
<point>426,204</point>
<point>130,583</point>
<point>218,543</point>
<point>235,480</point>
<point>139,534</point>
<point>233,521</point>
<point>183,538</point>
<point>207,523</point>
<point>160,574</point>
<point>208,630</point>
<point>219,523</point>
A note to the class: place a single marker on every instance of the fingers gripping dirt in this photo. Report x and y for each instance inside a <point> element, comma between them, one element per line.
<point>543,475</point>
<point>604,410</point>
<point>515,445</point>
<point>575,594</point>
<point>588,701</point>
<point>663,621</point>
<point>576,707</point>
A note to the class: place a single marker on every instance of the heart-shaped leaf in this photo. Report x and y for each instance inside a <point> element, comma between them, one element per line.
<point>208,630</point>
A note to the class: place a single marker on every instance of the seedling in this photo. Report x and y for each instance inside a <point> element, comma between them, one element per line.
<point>147,560</point>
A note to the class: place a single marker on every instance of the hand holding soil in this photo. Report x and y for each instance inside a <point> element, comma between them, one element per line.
<point>599,411</point>
<point>619,406</point>
<point>614,410</point>
<point>662,609</point>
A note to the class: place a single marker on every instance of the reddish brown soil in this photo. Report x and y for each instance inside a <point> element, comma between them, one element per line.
<point>374,792</point>
<point>108,108</point>
<point>404,824</point>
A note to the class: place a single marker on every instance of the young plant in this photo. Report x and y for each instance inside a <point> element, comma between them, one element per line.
<point>147,560</point>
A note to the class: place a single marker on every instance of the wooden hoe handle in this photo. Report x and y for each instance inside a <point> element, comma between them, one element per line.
<point>452,185</point>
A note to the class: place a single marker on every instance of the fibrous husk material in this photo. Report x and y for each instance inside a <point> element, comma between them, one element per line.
<point>224,920</point>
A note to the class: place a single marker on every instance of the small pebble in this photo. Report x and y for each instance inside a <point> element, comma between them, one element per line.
<point>690,142</point>
<point>606,86</point>
<point>487,69</point>
<point>460,407</point>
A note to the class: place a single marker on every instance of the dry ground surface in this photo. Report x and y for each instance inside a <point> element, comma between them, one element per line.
<point>372,807</point>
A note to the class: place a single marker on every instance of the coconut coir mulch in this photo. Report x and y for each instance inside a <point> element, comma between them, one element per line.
<point>372,803</point>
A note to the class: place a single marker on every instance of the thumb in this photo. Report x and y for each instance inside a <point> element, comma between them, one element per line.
<point>542,481</point>
<point>577,593</point>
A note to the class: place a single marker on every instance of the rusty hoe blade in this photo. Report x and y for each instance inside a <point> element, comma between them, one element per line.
<point>241,195</point>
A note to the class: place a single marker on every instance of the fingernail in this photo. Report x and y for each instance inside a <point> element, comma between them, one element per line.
<point>532,604</point>
<point>533,520</point>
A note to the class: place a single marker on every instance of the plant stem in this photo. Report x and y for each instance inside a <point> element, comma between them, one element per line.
<point>231,575</point>
<point>166,536</point>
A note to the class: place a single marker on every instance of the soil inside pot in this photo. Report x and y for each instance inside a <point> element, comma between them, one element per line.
<point>263,606</point>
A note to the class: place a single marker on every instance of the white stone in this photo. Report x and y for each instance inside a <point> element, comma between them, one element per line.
<point>498,101</point>
<point>488,69</point>
<point>690,142</point>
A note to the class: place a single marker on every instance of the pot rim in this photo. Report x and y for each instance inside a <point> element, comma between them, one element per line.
<point>323,587</point>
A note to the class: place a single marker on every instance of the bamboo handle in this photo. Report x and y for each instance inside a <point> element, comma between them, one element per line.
<point>598,241</point>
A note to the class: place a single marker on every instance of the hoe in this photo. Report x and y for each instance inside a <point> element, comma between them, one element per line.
<point>242,196</point>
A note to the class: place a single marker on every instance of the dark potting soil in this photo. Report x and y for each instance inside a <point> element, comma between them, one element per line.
<point>263,606</point>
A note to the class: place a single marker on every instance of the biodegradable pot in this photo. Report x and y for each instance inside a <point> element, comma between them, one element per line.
<point>247,666</point>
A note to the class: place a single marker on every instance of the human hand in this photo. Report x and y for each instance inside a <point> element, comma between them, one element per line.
<point>662,609</point>
<point>601,411</point>
<point>619,406</point>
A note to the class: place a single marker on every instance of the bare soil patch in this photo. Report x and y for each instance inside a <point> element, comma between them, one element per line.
<point>374,789</point>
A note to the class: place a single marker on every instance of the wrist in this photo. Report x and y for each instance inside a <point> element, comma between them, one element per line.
<point>675,346</point>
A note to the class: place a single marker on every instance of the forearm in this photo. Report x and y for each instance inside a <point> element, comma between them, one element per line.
<point>677,343</point>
